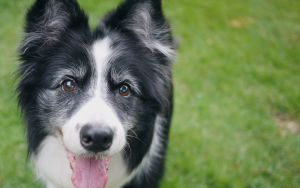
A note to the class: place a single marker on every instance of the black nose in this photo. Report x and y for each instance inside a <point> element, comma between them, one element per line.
<point>96,139</point>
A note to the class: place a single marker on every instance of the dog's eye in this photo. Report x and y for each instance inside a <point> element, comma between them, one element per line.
<point>124,90</point>
<point>68,85</point>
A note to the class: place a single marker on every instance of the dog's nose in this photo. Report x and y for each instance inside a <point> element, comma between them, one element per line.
<point>96,139</point>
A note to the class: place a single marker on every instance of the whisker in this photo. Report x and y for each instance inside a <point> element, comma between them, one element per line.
<point>133,132</point>
<point>128,148</point>
<point>136,138</point>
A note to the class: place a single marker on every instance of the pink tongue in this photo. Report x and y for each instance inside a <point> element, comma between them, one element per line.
<point>90,172</point>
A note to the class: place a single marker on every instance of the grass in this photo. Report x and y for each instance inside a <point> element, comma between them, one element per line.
<point>237,94</point>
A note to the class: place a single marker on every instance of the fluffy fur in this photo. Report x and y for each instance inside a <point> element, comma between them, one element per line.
<point>131,46</point>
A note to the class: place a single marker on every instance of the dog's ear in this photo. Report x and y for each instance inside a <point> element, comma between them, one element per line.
<point>46,20</point>
<point>145,18</point>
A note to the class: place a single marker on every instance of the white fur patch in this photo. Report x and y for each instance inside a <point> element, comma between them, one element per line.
<point>52,164</point>
<point>117,172</point>
<point>102,54</point>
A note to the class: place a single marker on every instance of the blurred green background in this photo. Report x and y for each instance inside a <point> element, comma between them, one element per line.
<point>237,93</point>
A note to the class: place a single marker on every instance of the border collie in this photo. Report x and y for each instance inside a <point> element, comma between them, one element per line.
<point>97,103</point>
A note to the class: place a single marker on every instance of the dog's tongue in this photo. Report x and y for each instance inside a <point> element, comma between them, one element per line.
<point>90,172</point>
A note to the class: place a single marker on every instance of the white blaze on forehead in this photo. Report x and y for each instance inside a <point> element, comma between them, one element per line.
<point>101,52</point>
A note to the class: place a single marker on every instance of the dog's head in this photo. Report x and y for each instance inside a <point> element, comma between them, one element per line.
<point>93,88</point>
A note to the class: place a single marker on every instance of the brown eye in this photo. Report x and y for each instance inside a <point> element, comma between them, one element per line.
<point>124,90</point>
<point>68,85</point>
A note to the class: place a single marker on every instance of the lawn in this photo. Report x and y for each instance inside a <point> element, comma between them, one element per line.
<point>237,94</point>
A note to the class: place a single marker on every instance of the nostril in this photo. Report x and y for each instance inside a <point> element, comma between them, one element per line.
<point>107,142</point>
<point>86,141</point>
<point>86,136</point>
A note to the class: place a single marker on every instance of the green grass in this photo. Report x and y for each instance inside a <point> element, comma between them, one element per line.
<point>237,91</point>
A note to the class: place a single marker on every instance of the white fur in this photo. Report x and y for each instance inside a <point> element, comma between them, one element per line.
<point>52,164</point>
<point>117,172</point>
<point>102,54</point>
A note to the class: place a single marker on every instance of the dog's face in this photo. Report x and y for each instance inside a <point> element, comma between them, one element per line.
<point>94,89</point>
<point>104,95</point>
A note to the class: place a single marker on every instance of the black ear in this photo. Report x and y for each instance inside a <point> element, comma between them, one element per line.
<point>46,20</point>
<point>145,18</point>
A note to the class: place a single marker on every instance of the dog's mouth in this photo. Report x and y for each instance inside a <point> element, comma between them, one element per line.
<point>88,172</point>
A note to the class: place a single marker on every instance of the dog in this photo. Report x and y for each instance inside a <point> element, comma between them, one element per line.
<point>97,103</point>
